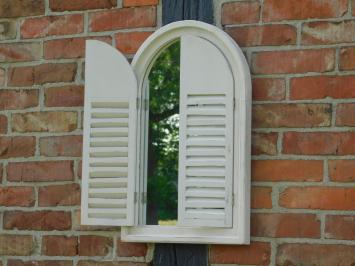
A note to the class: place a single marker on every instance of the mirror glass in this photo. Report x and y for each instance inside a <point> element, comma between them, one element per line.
<point>163,137</point>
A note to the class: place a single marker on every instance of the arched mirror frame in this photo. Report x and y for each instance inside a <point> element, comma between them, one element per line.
<point>141,64</point>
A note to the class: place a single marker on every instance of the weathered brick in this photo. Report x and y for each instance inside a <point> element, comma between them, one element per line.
<point>64,96</point>
<point>37,220</point>
<point>61,146</point>
<point>261,198</point>
<point>18,99</point>
<point>52,25</point>
<point>128,3</point>
<point>320,87</point>
<point>322,32</point>
<point>276,10</point>
<point>264,143</point>
<point>44,122</point>
<point>319,143</point>
<point>129,42</point>
<point>16,245</point>
<point>240,12</point>
<point>59,195</point>
<point>345,114</point>
<point>314,254</point>
<point>126,249</point>
<point>90,245</point>
<point>17,147</point>
<point>7,29</point>
<point>21,8</point>
<point>41,74</point>
<point>1,172</point>
<point>347,58</point>
<point>40,263</point>
<point>3,124</point>
<point>342,170</point>
<point>340,227</point>
<point>20,52</point>
<point>287,170</point>
<point>17,196</point>
<point>303,61</point>
<point>323,198</point>
<point>257,253</point>
<point>59,245</point>
<point>71,5</point>
<point>40,171</point>
<point>69,47</point>
<point>291,115</point>
<point>268,89</point>
<point>263,35</point>
<point>110,263</point>
<point>123,18</point>
<point>285,225</point>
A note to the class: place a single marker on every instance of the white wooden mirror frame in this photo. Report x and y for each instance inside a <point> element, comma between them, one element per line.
<point>239,233</point>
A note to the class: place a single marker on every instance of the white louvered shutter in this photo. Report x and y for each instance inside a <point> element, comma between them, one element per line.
<point>108,179</point>
<point>206,136</point>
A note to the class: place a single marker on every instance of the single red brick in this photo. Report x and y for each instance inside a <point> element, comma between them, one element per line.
<point>37,220</point>
<point>285,225</point>
<point>40,171</point>
<point>129,42</point>
<point>18,99</point>
<point>17,196</point>
<point>263,35</point>
<point>90,245</point>
<point>59,195</point>
<point>264,143</point>
<point>320,87</point>
<point>69,47</point>
<point>240,12</point>
<point>323,198</point>
<point>21,8</point>
<point>269,89</point>
<point>40,263</point>
<point>44,122</point>
<point>3,124</point>
<point>59,245</point>
<point>71,5</point>
<point>17,147</point>
<point>123,18</point>
<point>345,114</point>
<point>342,170</point>
<point>64,96</point>
<point>314,254</point>
<point>61,146</point>
<point>41,74</point>
<point>128,3</point>
<point>257,253</point>
<point>20,52</point>
<point>126,249</point>
<point>261,198</point>
<point>296,61</point>
<point>52,25</point>
<point>291,115</point>
<point>323,32</point>
<point>340,227</point>
<point>275,10</point>
<point>287,170</point>
<point>347,58</point>
<point>16,245</point>
<point>319,143</point>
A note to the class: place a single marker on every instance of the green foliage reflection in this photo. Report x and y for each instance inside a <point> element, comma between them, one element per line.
<point>163,143</point>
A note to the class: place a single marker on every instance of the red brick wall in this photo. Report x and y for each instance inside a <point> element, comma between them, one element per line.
<point>302,57</point>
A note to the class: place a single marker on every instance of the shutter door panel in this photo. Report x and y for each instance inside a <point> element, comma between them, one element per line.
<point>108,179</point>
<point>206,135</point>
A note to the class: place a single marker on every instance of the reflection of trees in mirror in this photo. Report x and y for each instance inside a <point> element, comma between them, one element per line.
<point>163,136</point>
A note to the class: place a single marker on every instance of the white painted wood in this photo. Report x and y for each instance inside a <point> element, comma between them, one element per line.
<point>109,146</point>
<point>142,62</point>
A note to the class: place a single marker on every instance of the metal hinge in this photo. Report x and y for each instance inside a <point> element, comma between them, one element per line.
<point>234,103</point>
<point>135,197</point>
